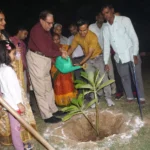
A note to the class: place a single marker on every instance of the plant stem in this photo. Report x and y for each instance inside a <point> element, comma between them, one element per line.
<point>97,113</point>
<point>90,122</point>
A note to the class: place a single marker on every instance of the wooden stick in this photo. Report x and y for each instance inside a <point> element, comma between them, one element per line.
<point>26,125</point>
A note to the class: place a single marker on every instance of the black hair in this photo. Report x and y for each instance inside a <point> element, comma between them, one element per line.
<point>72,25</point>
<point>1,12</point>
<point>21,28</point>
<point>55,34</point>
<point>6,34</point>
<point>5,48</point>
<point>82,22</point>
<point>44,14</point>
<point>98,13</point>
<point>106,6</point>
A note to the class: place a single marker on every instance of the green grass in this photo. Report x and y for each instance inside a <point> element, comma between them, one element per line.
<point>142,140</point>
<point>139,142</point>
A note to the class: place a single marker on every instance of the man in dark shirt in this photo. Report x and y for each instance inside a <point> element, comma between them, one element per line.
<point>41,50</point>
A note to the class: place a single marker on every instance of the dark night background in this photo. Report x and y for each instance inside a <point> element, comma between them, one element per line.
<point>26,12</point>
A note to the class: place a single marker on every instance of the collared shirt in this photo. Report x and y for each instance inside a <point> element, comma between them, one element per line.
<point>63,40</point>
<point>89,41</point>
<point>16,40</point>
<point>41,40</point>
<point>10,87</point>
<point>78,51</point>
<point>99,32</point>
<point>123,39</point>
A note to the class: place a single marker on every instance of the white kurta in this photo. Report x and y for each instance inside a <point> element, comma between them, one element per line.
<point>10,87</point>
<point>123,39</point>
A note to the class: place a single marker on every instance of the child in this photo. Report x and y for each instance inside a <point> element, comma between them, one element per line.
<point>11,90</point>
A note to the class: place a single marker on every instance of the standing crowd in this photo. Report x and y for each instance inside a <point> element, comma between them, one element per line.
<point>109,45</point>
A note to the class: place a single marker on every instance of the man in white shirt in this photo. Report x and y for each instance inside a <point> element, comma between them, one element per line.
<point>77,55</point>
<point>120,34</point>
<point>97,28</point>
<point>58,30</point>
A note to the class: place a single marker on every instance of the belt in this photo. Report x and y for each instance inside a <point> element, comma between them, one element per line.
<point>78,57</point>
<point>37,52</point>
<point>97,56</point>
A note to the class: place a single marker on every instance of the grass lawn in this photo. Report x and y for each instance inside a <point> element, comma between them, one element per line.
<point>139,142</point>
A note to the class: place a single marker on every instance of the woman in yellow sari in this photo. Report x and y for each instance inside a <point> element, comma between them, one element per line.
<point>63,83</point>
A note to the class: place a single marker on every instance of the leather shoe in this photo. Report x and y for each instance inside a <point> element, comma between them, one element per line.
<point>52,119</point>
<point>59,113</point>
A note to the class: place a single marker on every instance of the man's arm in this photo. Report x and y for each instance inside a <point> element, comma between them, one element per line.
<point>70,51</point>
<point>106,51</point>
<point>91,50</point>
<point>133,36</point>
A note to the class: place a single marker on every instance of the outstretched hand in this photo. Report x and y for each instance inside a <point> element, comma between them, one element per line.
<point>84,66</point>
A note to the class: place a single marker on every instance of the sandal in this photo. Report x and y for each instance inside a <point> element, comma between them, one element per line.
<point>28,146</point>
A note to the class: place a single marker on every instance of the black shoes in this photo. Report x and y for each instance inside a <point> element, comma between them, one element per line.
<point>118,96</point>
<point>28,146</point>
<point>52,119</point>
<point>59,113</point>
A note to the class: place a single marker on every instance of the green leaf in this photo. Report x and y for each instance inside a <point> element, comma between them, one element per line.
<point>91,77</point>
<point>74,112</point>
<point>75,101</point>
<point>80,100</point>
<point>83,86</point>
<point>108,82</point>
<point>70,108</point>
<point>79,81</point>
<point>96,76</point>
<point>87,92</point>
<point>84,75</point>
<point>100,81</point>
<point>90,103</point>
<point>67,117</point>
<point>80,96</point>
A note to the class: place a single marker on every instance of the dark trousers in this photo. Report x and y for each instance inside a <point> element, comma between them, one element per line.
<point>77,73</point>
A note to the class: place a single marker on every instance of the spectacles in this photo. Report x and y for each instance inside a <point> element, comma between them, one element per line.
<point>49,23</point>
